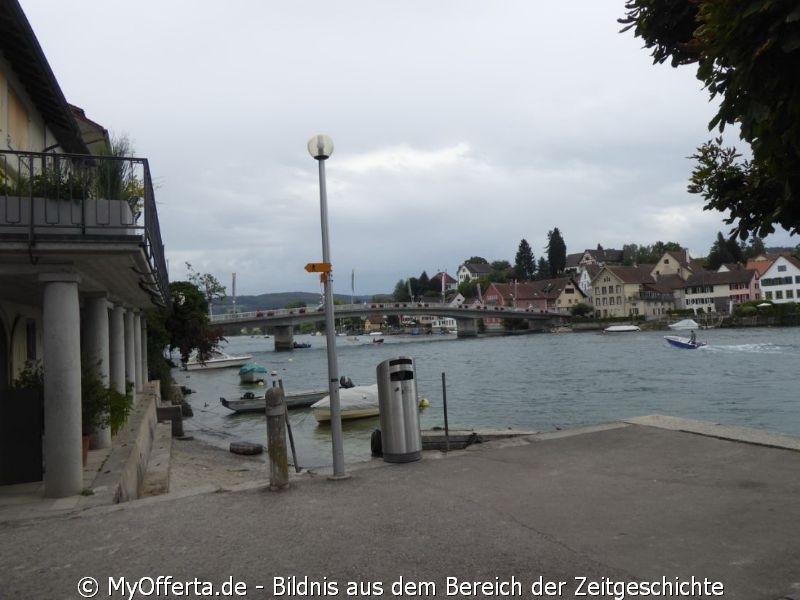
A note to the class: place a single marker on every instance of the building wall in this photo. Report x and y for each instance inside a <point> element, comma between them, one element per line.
<point>781,282</point>
<point>22,126</point>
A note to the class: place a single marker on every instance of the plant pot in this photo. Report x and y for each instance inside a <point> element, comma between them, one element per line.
<point>85,449</point>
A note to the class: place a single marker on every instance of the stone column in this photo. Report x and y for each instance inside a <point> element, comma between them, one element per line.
<point>62,385</point>
<point>117,348</point>
<point>145,366</point>
<point>130,349</point>
<point>137,358</point>
<point>283,338</point>
<point>97,351</point>
<point>467,328</point>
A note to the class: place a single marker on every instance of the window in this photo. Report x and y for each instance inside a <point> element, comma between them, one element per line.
<point>604,289</point>
<point>767,295</point>
<point>611,300</point>
<point>790,293</point>
<point>619,299</point>
<point>619,289</point>
<point>781,268</point>
<point>597,291</point>
<point>779,295</point>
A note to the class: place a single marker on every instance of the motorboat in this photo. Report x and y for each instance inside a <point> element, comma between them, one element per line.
<point>685,324</point>
<point>622,328</point>
<point>252,373</point>
<point>251,403</point>
<point>357,402</point>
<point>377,340</point>
<point>301,345</point>
<point>216,360</point>
<point>685,343</point>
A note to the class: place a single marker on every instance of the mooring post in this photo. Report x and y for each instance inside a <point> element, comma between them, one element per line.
<point>276,439</point>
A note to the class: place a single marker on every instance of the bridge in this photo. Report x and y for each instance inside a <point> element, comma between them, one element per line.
<point>282,321</point>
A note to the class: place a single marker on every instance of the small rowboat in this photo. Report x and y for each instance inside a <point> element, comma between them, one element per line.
<point>682,342</point>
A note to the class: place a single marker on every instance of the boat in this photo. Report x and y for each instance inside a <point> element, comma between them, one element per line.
<point>377,341</point>
<point>251,403</point>
<point>621,328</point>
<point>216,360</point>
<point>686,324</point>
<point>252,373</point>
<point>357,402</point>
<point>301,345</point>
<point>685,343</point>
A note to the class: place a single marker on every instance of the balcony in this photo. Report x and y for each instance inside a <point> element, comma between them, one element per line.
<point>73,206</point>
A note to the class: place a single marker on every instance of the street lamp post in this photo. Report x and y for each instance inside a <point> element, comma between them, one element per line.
<point>320,147</point>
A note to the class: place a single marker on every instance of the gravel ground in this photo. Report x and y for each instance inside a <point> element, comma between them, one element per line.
<point>194,463</point>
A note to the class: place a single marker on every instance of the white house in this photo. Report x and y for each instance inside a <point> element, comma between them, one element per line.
<point>780,283</point>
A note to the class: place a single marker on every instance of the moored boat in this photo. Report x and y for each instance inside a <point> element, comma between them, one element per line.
<point>682,342</point>
<point>357,402</point>
<point>686,324</point>
<point>252,373</point>
<point>216,360</point>
<point>622,329</point>
<point>251,403</point>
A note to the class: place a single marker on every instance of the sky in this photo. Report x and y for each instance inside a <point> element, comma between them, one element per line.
<point>460,127</point>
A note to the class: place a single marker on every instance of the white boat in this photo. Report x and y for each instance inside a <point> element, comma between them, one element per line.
<point>686,324</point>
<point>622,328</point>
<point>357,402</point>
<point>216,360</point>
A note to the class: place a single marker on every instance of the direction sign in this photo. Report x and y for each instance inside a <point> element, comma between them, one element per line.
<point>318,267</point>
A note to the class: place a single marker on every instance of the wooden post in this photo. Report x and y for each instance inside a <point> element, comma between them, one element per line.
<point>276,439</point>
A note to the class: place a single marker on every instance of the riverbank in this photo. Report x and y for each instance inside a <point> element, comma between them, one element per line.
<point>195,463</point>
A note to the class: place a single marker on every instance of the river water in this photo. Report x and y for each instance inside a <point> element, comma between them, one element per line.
<point>537,382</point>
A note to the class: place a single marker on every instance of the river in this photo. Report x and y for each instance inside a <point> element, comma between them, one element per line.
<point>537,382</point>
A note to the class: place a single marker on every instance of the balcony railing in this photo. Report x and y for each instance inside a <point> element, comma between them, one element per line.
<point>91,198</point>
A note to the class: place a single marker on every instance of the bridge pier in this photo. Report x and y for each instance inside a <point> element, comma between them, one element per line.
<point>467,328</point>
<point>284,340</point>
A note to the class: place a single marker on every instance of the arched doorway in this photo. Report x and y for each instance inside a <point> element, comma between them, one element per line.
<point>5,366</point>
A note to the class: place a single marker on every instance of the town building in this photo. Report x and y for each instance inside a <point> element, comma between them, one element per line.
<point>81,261</point>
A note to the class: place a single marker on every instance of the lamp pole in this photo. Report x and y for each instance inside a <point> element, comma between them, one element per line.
<point>320,147</point>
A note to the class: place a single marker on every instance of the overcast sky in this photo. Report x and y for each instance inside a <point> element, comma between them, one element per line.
<point>459,128</point>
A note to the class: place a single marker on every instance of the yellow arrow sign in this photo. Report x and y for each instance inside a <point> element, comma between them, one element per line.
<point>318,267</point>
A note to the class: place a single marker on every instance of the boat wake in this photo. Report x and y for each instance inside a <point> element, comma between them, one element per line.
<point>749,348</point>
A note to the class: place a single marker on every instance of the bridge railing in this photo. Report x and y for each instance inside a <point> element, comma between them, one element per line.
<point>365,307</point>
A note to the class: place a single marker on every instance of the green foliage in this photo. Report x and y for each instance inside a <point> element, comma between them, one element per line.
<point>187,322</point>
<point>723,251</point>
<point>94,399</point>
<point>542,268</point>
<point>476,260</point>
<point>581,310</point>
<point>31,377</point>
<point>556,252</point>
<point>116,178</point>
<point>524,265</point>
<point>748,55</point>
<point>207,283</point>
<point>295,304</point>
<point>119,407</point>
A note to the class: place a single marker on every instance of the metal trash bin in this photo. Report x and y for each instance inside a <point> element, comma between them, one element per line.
<point>401,439</point>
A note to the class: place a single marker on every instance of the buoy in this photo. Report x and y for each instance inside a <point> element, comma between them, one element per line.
<point>424,403</point>
<point>260,383</point>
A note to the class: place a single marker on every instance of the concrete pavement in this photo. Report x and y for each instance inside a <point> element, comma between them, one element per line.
<point>586,511</point>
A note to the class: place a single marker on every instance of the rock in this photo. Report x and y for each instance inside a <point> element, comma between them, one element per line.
<point>246,448</point>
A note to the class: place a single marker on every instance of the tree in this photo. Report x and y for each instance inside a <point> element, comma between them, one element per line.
<point>556,252</point>
<point>542,268</point>
<point>524,265</point>
<point>208,284</point>
<point>187,324</point>
<point>401,293</point>
<point>423,283</point>
<point>749,55</point>
<point>476,260</point>
<point>754,248</point>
